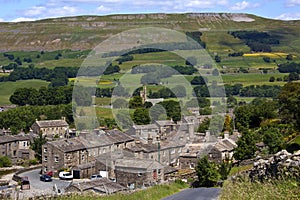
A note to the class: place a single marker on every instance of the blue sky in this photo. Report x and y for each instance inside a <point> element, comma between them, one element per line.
<point>26,10</point>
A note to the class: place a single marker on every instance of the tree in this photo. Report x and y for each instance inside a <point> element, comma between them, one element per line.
<point>158,112</point>
<point>37,146</point>
<point>289,57</point>
<point>217,58</point>
<point>141,116</point>
<point>246,146</point>
<point>231,101</point>
<point>198,80</point>
<point>215,72</point>
<point>207,173</point>
<point>293,76</point>
<point>273,139</point>
<point>225,168</point>
<point>204,125</point>
<point>272,79</point>
<point>289,101</point>
<point>136,102</point>
<point>5,161</point>
<point>267,59</point>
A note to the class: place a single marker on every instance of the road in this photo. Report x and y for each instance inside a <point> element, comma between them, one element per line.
<point>196,194</point>
<point>35,183</point>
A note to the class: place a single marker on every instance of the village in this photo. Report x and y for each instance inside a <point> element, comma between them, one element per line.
<point>108,161</point>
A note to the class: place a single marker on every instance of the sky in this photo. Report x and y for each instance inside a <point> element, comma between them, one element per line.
<point>29,10</point>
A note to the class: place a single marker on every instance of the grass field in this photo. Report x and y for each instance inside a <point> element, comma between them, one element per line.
<point>8,88</point>
<point>252,79</point>
<point>283,189</point>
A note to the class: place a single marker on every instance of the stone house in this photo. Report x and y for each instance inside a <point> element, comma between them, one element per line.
<point>128,170</point>
<point>144,131</point>
<point>16,147</point>
<point>166,126</point>
<point>138,172</point>
<point>51,128</point>
<point>63,153</point>
<point>166,151</point>
<point>79,154</point>
<point>222,150</point>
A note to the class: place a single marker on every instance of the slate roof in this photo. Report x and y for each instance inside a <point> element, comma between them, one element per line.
<point>52,123</point>
<point>225,145</point>
<point>134,163</point>
<point>100,185</point>
<point>165,123</point>
<point>148,126</point>
<point>7,139</point>
<point>105,138</point>
<point>68,145</point>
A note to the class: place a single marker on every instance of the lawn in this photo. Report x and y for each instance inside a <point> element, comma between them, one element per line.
<point>8,88</point>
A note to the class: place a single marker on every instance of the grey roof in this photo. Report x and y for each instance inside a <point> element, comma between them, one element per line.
<point>52,123</point>
<point>114,155</point>
<point>7,139</point>
<point>147,126</point>
<point>168,169</point>
<point>68,145</point>
<point>134,163</point>
<point>165,123</point>
<point>225,145</point>
<point>99,185</point>
<point>147,148</point>
<point>105,138</point>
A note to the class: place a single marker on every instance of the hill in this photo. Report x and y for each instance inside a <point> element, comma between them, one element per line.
<point>85,32</point>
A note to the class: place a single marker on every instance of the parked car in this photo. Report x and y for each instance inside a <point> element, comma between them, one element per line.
<point>45,178</point>
<point>96,176</point>
<point>65,175</point>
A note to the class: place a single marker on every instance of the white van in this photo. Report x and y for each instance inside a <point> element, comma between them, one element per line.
<point>65,175</point>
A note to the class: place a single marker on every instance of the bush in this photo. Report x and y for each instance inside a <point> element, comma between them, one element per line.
<point>5,162</point>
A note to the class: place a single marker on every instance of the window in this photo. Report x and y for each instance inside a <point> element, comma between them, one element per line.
<point>140,174</point>
<point>45,169</point>
<point>45,158</point>
<point>82,157</point>
<point>56,159</point>
<point>45,150</point>
<point>159,172</point>
<point>192,165</point>
<point>24,144</point>
<point>173,151</point>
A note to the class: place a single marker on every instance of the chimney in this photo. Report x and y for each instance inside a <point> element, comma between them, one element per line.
<point>226,135</point>
<point>150,139</point>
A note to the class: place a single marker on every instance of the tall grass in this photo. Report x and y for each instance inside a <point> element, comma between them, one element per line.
<point>283,189</point>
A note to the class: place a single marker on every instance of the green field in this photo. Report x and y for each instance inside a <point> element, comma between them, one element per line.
<point>8,88</point>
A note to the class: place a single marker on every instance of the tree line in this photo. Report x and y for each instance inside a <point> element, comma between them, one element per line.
<point>21,118</point>
<point>257,41</point>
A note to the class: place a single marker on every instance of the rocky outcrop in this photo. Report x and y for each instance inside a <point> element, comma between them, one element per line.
<point>281,165</point>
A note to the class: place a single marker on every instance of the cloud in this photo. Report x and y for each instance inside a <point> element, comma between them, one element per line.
<point>291,3</point>
<point>1,20</point>
<point>46,12</point>
<point>35,10</point>
<point>289,16</point>
<point>23,19</point>
<point>103,9</point>
<point>243,5</point>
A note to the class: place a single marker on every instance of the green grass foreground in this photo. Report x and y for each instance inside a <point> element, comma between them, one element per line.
<point>284,189</point>
<point>154,193</point>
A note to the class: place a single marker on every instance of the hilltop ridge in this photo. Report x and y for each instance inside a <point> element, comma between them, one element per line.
<point>85,32</point>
